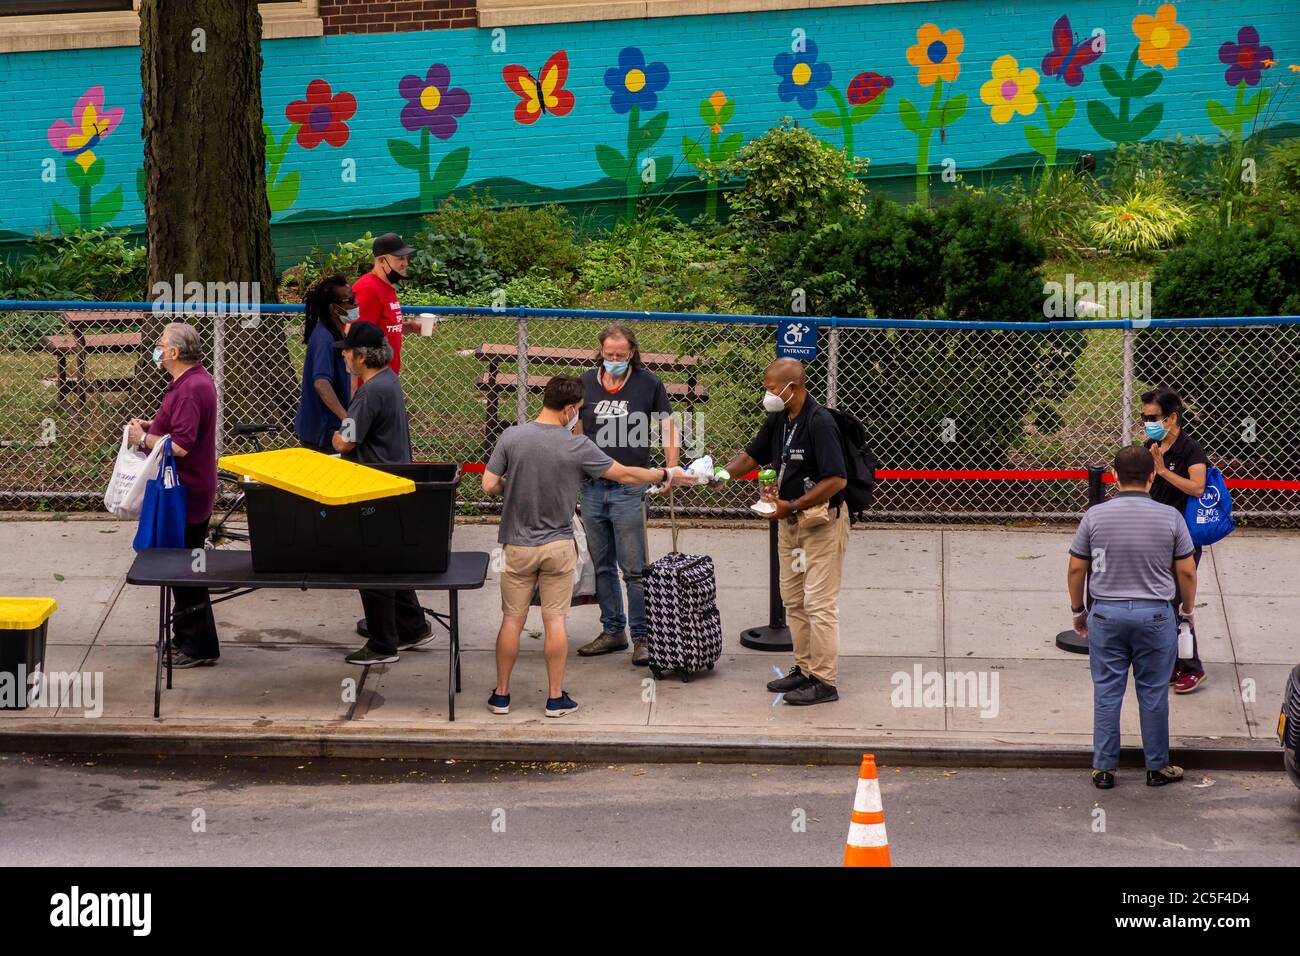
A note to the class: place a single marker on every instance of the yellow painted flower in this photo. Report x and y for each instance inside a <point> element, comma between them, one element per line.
<point>935,54</point>
<point>1161,36</point>
<point>1011,90</point>
<point>1294,67</point>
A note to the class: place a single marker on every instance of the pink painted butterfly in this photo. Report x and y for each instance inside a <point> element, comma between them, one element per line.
<point>1068,58</point>
<point>543,94</point>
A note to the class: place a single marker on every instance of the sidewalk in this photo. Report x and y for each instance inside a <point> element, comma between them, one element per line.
<point>980,601</point>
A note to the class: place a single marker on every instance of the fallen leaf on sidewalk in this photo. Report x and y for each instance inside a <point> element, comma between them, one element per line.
<point>1205,782</point>
<point>1029,557</point>
<point>58,577</point>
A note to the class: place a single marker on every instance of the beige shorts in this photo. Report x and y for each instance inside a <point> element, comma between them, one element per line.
<point>547,567</point>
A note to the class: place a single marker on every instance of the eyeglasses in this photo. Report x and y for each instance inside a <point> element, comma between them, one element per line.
<point>1154,418</point>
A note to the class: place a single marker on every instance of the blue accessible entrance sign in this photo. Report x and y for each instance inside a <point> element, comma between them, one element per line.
<point>796,339</point>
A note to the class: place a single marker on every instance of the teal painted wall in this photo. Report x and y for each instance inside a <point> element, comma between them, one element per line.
<point>810,56</point>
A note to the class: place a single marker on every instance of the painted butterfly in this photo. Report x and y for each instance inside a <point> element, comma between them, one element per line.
<point>1068,58</point>
<point>544,95</point>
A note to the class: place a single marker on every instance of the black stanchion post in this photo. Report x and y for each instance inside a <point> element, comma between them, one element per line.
<point>1068,640</point>
<point>774,636</point>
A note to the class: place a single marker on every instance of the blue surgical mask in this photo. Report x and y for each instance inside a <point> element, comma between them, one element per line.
<point>1155,430</point>
<point>616,369</point>
<point>157,356</point>
<point>352,315</point>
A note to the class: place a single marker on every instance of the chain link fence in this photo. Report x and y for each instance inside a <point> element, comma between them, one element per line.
<point>968,423</point>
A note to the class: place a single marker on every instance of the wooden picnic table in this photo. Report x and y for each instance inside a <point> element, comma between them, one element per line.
<point>77,344</point>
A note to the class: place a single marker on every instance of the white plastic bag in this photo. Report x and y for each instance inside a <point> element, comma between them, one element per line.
<point>124,496</point>
<point>584,574</point>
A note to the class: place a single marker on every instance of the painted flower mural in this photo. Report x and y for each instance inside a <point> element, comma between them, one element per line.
<point>433,109</point>
<point>77,140</point>
<point>715,113</point>
<point>541,94</point>
<point>1246,60</point>
<point>801,74</point>
<point>935,56</point>
<point>320,117</point>
<point>1160,37</point>
<point>1010,91</point>
<point>634,85</point>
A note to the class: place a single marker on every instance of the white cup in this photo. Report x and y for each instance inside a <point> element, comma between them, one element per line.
<point>428,322</point>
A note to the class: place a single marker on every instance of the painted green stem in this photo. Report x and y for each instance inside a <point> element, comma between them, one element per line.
<point>630,182</point>
<point>428,201</point>
<point>923,145</point>
<point>83,206</point>
<point>711,197</point>
<point>846,121</point>
<point>1128,78</point>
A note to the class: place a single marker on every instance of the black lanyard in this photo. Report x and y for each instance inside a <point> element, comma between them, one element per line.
<point>785,451</point>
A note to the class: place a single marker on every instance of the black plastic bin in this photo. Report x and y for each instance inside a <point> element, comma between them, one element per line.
<point>410,532</point>
<point>22,649</point>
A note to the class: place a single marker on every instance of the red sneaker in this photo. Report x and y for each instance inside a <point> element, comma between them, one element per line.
<point>1188,681</point>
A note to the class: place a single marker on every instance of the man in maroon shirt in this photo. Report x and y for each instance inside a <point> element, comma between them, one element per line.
<point>189,415</point>
<point>377,297</point>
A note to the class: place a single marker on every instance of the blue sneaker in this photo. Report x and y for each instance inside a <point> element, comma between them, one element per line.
<point>499,703</point>
<point>559,706</point>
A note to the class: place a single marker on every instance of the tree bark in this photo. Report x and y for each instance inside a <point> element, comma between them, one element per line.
<point>208,220</point>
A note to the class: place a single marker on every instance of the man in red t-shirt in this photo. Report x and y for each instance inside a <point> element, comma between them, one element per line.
<point>377,297</point>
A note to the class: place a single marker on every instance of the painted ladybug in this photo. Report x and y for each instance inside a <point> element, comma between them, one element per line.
<point>865,87</point>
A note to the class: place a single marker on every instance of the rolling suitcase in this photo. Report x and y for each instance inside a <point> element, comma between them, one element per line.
<point>684,632</point>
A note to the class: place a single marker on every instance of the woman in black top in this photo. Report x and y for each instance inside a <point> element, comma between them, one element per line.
<point>1181,463</point>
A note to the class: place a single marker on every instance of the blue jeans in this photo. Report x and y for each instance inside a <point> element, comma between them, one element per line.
<point>1143,634</point>
<point>615,523</point>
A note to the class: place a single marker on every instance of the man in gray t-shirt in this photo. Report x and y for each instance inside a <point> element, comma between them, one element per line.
<point>539,467</point>
<point>1128,550</point>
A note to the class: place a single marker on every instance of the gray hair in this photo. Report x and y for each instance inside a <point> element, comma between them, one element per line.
<point>186,340</point>
<point>376,356</point>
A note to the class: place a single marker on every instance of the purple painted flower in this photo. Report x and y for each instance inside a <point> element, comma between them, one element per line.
<point>801,75</point>
<point>431,103</point>
<point>1245,58</point>
<point>634,82</point>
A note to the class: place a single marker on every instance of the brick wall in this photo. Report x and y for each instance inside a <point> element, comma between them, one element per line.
<point>396,16</point>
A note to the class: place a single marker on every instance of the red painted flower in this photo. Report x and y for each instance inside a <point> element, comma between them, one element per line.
<point>323,115</point>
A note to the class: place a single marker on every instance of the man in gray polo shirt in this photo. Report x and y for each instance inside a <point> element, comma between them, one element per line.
<point>1127,550</point>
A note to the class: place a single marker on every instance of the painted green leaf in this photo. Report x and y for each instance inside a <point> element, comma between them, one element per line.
<point>728,147</point>
<point>103,209</point>
<point>953,110</point>
<point>406,155</point>
<point>1219,115</point>
<point>612,162</point>
<point>451,170</point>
<point>693,152</point>
<point>864,111</point>
<point>1251,108</point>
<point>909,116</point>
<point>706,113</point>
<point>828,118</point>
<point>282,194</point>
<point>1039,141</point>
<point>1064,113</point>
<point>663,168</point>
<point>727,111</point>
<point>1105,122</point>
<point>1145,122</point>
<point>84,177</point>
<point>1115,84</point>
<point>66,218</point>
<point>653,129</point>
<point>1146,84</point>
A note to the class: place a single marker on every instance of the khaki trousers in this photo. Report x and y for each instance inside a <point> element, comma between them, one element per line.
<point>812,561</point>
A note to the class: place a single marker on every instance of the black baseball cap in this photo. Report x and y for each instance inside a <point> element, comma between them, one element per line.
<point>362,335</point>
<point>391,244</point>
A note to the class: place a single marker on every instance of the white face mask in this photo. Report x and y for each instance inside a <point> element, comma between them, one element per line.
<point>571,422</point>
<point>773,402</point>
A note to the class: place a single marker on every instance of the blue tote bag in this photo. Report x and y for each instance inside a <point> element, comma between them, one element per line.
<point>162,515</point>
<point>1209,517</point>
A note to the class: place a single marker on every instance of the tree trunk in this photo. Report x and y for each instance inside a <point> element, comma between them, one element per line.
<point>206,208</point>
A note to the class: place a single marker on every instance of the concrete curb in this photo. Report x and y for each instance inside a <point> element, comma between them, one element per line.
<point>245,739</point>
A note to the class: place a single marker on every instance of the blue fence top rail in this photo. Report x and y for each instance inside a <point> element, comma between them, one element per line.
<point>604,315</point>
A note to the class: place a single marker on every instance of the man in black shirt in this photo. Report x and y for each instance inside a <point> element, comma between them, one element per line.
<point>1181,463</point>
<point>799,438</point>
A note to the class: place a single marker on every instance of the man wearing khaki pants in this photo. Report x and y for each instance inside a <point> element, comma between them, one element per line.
<point>539,466</point>
<point>799,438</point>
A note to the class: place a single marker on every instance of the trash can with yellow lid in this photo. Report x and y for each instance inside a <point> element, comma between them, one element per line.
<point>317,513</point>
<point>23,623</point>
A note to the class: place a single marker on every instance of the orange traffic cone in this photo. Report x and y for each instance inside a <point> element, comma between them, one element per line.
<point>867,844</point>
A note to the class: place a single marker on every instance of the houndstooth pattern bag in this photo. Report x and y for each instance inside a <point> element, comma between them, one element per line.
<point>684,631</point>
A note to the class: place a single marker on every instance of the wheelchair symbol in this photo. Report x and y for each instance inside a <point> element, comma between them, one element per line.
<point>794,333</point>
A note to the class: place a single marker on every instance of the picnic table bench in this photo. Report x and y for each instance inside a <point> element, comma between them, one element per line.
<point>76,345</point>
<point>494,381</point>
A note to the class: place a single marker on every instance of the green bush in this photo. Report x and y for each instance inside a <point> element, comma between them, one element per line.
<point>1055,208</point>
<point>1144,218</point>
<point>1235,376</point>
<point>452,262</point>
<point>518,240</point>
<point>968,260</point>
<point>99,265</point>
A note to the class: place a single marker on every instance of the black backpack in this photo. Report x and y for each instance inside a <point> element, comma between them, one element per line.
<point>859,465</point>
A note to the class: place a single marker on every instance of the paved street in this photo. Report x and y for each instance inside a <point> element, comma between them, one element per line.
<point>96,810</point>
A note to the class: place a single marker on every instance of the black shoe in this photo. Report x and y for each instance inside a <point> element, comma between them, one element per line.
<point>365,657</point>
<point>813,692</point>
<point>791,681</point>
<point>1103,779</point>
<point>1170,774</point>
<point>181,660</point>
<point>424,638</point>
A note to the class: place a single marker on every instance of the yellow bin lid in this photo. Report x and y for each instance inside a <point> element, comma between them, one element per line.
<point>321,478</point>
<point>24,613</point>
